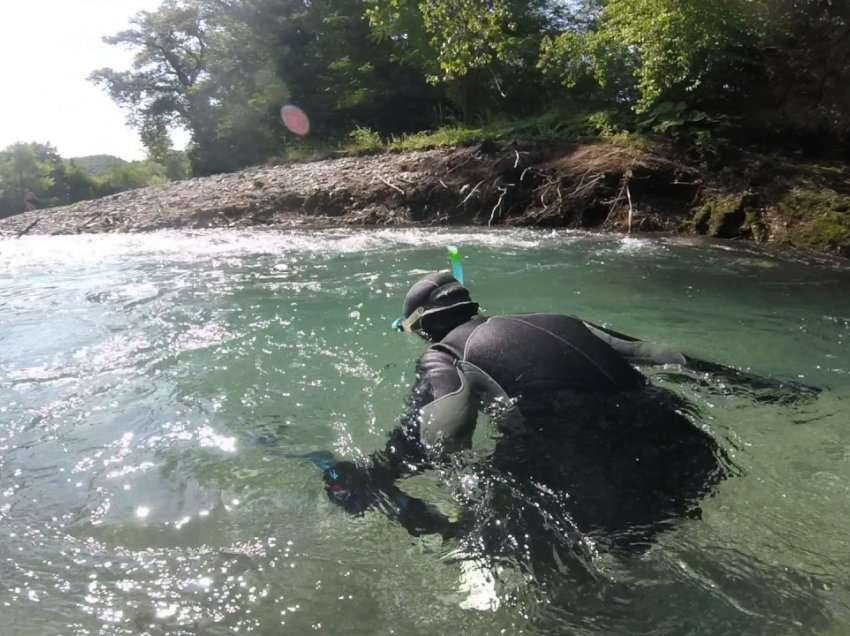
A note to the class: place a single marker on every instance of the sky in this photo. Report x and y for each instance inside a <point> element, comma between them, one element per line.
<point>47,49</point>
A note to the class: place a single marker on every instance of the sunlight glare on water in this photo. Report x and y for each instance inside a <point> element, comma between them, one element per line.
<point>154,389</point>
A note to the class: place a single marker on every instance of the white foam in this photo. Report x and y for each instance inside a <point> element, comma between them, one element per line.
<point>40,252</point>
<point>632,245</point>
<point>200,337</point>
<point>478,587</point>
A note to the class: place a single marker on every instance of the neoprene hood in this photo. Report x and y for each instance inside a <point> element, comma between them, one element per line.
<point>444,302</point>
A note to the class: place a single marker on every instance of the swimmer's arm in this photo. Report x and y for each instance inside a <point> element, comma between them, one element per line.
<point>439,417</point>
<point>371,484</point>
<point>417,516</point>
<point>358,488</point>
<point>406,454</point>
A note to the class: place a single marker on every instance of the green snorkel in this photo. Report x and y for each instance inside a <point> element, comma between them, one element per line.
<point>457,263</point>
<point>404,324</point>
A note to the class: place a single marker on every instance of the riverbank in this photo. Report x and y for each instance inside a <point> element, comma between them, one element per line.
<point>620,185</point>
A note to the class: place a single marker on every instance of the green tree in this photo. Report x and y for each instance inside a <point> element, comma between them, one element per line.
<point>136,174</point>
<point>81,185</point>
<point>804,64</point>
<point>461,35</point>
<point>187,73</point>
<point>26,176</point>
<point>483,52</point>
<point>167,84</point>
<point>176,165</point>
<point>645,51</point>
<point>765,63</point>
<point>333,67</point>
<point>221,69</point>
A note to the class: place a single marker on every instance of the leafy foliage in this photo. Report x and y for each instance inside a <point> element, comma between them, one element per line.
<point>696,64</point>
<point>34,176</point>
<point>692,70</point>
<point>27,176</point>
<point>97,165</point>
<point>193,69</point>
<point>465,35</point>
<point>648,51</point>
<point>365,140</point>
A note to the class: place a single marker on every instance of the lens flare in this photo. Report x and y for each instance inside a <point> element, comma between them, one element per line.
<point>295,120</point>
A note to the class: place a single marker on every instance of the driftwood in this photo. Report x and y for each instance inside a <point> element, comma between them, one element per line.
<point>394,187</point>
<point>28,228</point>
<point>471,192</point>
<point>523,183</point>
<point>88,221</point>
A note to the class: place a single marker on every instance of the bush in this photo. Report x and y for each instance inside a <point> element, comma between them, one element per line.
<point>365,140</point>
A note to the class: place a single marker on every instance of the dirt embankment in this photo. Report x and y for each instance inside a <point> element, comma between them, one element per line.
<point>593,184</point>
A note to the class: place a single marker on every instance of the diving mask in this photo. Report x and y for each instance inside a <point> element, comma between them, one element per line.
<point>409,324</point>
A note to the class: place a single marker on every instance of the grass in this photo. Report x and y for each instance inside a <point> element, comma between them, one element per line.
<point>304,150</point>
<point>546,126</point>
<point>549,125</point>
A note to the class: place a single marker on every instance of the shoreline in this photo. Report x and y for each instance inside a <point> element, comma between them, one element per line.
<point>593,184</point>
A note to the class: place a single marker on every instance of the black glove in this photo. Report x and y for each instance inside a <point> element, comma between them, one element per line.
<point>352,488</point>
<point>357,489</point>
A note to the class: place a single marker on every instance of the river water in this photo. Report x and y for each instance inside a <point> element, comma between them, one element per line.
<point>156,391</point>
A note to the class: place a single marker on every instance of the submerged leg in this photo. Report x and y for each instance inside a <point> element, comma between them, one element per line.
<point>630,463</point>
<point>761,388</point>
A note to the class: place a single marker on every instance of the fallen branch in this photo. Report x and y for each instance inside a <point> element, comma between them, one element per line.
<point>697,194</point>
<point>623,193</point>
<point>583,186</point>
<point>88,221</point>
<point>473,191</point>
<point>504,191</point>
<point>28,228</point>
<point>461,164</point>
<point>394,187</point>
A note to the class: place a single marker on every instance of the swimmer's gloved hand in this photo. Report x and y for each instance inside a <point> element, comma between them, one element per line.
<point>351,487</point>
<point>355,489</point>
<point>348,485</point>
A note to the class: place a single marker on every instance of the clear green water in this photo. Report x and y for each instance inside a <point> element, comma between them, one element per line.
<point>137,374</point>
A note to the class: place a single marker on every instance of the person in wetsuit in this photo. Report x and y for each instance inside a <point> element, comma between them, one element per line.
<point>572,410</point>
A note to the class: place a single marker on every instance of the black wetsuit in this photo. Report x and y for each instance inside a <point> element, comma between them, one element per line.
<point>621,457</point>
<point>525,363</point>
<point>572,412</point>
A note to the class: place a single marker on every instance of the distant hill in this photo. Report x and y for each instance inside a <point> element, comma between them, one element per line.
<point>98,165</point>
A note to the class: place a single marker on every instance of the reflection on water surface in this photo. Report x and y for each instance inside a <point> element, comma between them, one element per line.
<point>154,390</point>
